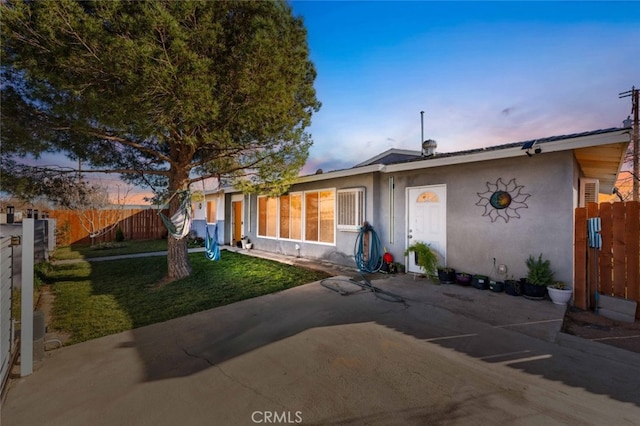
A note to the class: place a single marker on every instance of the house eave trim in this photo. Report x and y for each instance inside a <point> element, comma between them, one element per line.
<point>568,144</point>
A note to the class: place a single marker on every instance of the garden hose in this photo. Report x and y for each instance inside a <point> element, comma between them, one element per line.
<point>367,262</point>
<point>372,261</point>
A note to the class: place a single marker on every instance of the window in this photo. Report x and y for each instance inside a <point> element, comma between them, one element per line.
<point>327,216</point>
<point>267,216</point>
<point>319,216</point>
<point>291,216</point>
<point>428,197</point>
<point>283,217</point>
<point>311,216</point>
<point>211,212</point>
<point>350,209</point>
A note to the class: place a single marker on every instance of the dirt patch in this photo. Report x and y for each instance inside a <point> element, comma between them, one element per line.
<point>591,326</point>
<point>53,339</point>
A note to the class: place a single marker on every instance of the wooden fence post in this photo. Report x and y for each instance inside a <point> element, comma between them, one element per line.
<point>618,252</point>
<point>605,267</point>
<point>580,259</point>
<point>632,244</point>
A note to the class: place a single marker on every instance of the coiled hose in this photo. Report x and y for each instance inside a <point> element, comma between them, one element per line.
<point>369,263</point>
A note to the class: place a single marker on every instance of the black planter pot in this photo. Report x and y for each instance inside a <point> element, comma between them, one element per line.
<point>513,287</point>
<point>447,275</point>
<point>481,282</point>
<point>496,286</point>
<point>534,292</point>
<point>463,278</point>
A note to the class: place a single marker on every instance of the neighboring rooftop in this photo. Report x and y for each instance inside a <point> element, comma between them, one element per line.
<point>392,156</point>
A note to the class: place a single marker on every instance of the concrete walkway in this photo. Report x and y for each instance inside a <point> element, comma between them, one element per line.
<point>447,355</point>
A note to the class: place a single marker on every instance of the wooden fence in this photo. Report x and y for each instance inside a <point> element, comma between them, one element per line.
<point>615,269</point>
<point>136,224</point>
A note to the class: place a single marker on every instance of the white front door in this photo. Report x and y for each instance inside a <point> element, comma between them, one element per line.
<point>427,221</point>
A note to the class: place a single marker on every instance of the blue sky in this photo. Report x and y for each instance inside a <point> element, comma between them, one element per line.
<point>484,73</point>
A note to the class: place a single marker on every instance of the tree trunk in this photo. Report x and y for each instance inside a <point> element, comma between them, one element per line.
<point>178,264</point>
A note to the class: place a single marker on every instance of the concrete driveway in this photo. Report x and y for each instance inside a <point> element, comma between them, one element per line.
<point>447,355</point>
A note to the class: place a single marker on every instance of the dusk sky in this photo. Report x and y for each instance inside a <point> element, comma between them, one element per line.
<point>484,73</point>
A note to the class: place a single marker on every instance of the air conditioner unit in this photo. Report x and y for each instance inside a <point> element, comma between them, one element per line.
<point>589,190</point>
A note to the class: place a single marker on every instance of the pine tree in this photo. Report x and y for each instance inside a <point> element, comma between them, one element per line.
<point>165,93</point>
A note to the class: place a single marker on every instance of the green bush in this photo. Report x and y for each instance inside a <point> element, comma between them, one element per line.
<point>426,258</point>
<point>540,272</point>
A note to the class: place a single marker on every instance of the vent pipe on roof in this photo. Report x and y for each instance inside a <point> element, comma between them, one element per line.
<point>421,126</point>
<point>429,148</point>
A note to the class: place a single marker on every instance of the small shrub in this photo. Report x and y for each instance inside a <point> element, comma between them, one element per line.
<point>560,285</point>
<point>119,235</point>
<point>426,258</point>
<point>540,272</point>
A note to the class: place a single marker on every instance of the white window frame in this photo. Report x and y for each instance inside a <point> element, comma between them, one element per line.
<point>304,215</point>
<point>302,211</point>
<point>277,218</point>
<point>354,209</point>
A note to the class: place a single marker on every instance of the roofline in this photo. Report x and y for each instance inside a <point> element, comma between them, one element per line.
<point>387,152</point>
<point>511,150</point>
<point>328,175</point>
<point>556,145</point>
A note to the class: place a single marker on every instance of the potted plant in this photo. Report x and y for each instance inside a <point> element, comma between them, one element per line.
<point>512,287</point>
<point>425,257</point>
<point>399,267</point>
<point>481,282</point>
<point>463,278</point>
<point>559,292</point>
<point>496,286</point>
<point>243,241</point>
<point>539,276</point>
<point>446,275</point>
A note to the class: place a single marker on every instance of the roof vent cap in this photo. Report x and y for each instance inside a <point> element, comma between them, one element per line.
<point>429,147</point>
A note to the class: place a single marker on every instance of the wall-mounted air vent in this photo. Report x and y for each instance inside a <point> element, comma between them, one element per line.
<point>589,190</point>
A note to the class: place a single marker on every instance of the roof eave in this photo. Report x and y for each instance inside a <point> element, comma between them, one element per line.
<point>327,175</point>
<point>609,138</point>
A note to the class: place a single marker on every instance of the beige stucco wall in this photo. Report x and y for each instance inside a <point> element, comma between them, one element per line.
<point>473,240</point>
<point>342,251</point>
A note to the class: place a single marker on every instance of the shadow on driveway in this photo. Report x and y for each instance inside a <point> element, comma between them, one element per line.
<point>492,327</point>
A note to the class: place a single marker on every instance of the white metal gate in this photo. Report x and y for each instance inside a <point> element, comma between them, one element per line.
<point>6,326</point>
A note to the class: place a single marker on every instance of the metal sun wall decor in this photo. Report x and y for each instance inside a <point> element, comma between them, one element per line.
<point>503,200</point>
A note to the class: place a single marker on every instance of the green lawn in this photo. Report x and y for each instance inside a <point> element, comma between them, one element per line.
<point>101,298</point>
<point>86,251</point>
